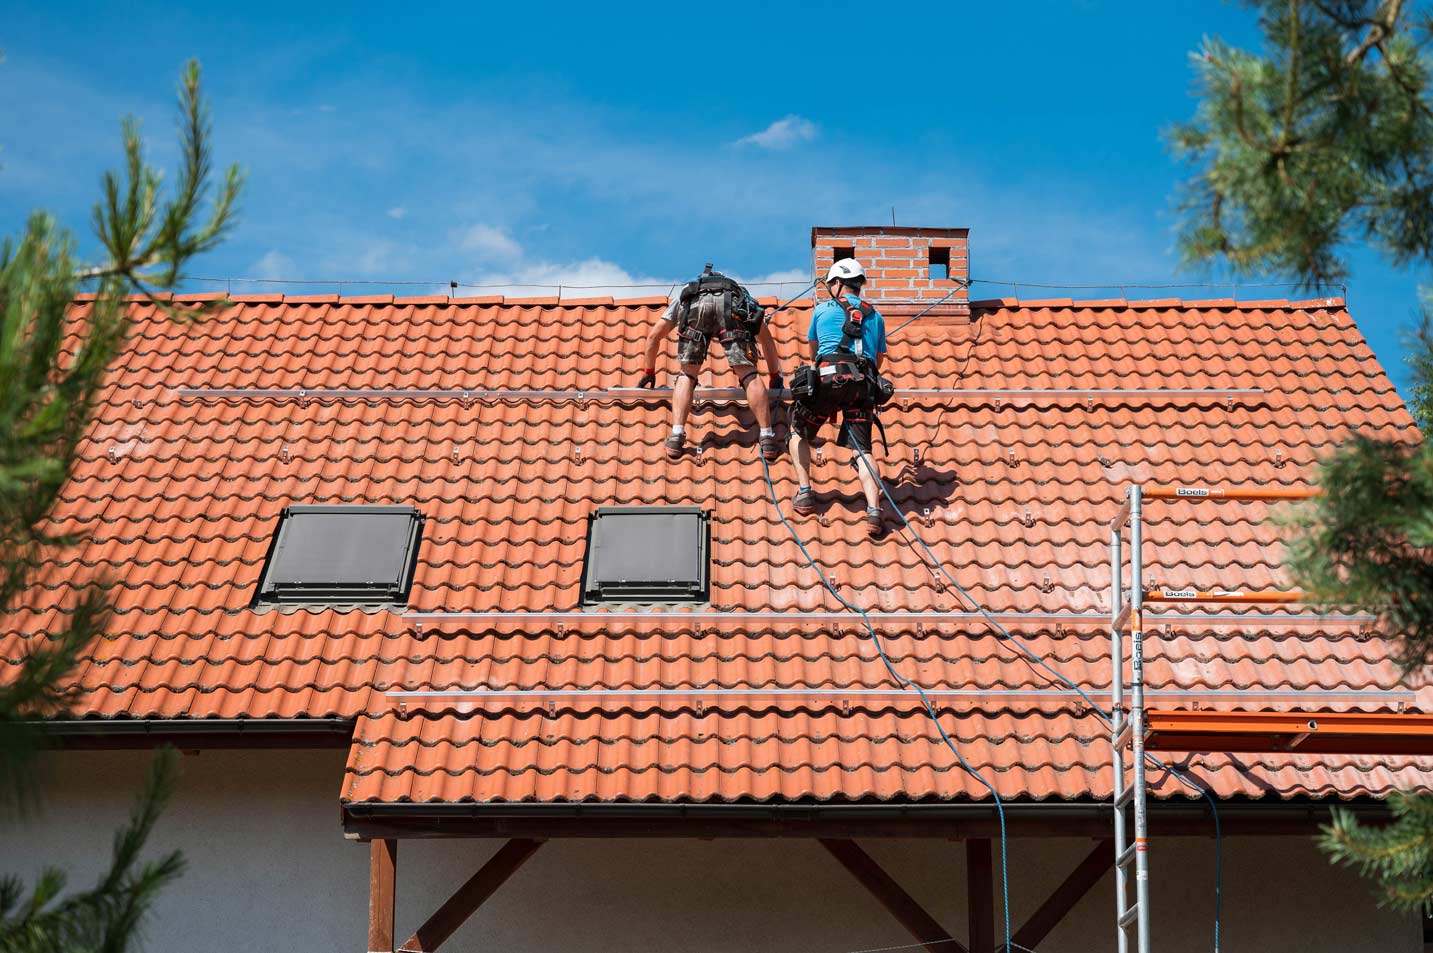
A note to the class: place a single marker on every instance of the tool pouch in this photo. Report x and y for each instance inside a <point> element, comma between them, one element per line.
<point>882,390</point>
<point>805,383</point>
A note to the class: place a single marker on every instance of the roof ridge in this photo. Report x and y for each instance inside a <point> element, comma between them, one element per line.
<point>1227,304</point>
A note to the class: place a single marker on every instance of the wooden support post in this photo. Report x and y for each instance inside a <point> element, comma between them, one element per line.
<point>1065,896</point>
<point>471,895</point>
<point>382,876</point>
<point>888,893</point>
<point>980,893</point>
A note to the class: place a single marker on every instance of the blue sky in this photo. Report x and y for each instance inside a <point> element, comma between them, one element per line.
<point>605,144</point>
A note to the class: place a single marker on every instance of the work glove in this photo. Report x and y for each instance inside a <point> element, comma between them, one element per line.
<point>649,378</point>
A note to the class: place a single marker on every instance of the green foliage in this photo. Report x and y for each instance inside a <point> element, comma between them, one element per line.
<point>1419,358</point>
<point>1322,139</point>
<point>1369,540</point>
<point>52,364</point>
<point>105,918</point>
<point>1399,855</point>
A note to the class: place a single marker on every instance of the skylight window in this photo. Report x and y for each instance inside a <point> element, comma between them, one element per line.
<point>342,555</point>
<point>648,554</point>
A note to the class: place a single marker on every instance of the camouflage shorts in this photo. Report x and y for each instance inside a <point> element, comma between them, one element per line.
<point>706,319</point>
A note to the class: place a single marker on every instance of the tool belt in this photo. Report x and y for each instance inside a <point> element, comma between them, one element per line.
<point>839,381</point>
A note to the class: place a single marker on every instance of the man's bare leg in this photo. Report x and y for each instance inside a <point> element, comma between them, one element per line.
<point>869,484</point>
<point>757,400</point>
<point>682,393</point>
<point>801,458</point>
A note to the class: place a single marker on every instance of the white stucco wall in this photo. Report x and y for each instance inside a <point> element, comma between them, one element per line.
<point>269,870</point>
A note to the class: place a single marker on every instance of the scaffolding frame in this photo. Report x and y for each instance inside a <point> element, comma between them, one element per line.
<point>1128,721</point>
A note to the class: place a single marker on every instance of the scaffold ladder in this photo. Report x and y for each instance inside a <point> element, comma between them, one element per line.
<point>1128,721</point>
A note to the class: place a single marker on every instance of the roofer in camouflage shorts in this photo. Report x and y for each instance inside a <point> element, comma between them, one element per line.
<point>716,307</point>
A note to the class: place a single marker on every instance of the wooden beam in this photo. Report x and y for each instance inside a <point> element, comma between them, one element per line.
<point>888,893</point>
<point>1065,896</point>
<point>980,894</point>
<point>382,876</point>
<point>471,895</point>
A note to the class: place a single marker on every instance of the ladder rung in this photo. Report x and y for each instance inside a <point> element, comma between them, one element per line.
<point>1124,734</point>
<point>1129,917</point>
<point>1126,856</point>
<point>1125,797</point>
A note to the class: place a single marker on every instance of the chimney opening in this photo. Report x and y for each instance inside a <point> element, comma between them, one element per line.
<point>939,263</point>
<point>842,251</point>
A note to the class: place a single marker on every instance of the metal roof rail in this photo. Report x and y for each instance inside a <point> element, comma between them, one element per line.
<point>1390,697</point>
<point>1069,619</point>
<point>649,395</point>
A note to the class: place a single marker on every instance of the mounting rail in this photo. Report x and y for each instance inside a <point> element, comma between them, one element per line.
<point>1247,620</point>
<point>973,696</point>
<point>705,394</point>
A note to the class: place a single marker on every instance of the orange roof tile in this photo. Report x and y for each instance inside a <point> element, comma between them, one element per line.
<point>177,498</point>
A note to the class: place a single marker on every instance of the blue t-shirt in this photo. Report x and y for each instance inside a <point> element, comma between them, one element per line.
<point>827,321</point>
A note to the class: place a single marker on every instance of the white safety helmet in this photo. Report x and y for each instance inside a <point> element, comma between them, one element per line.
<point>847,269</point>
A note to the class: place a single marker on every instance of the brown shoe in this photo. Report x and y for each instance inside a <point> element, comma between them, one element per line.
<point>875,523</point>
<point>771,448</point>
<point>805,502</point>
<point>676,446</point>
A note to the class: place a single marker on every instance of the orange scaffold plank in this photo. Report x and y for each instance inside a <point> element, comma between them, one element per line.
<point>1224,595</point>
<point>1351,733</point>
<point>1174,492</point>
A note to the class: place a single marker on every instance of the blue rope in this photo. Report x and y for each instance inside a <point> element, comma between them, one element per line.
<point>1104,716</point>
<point>908,684</point>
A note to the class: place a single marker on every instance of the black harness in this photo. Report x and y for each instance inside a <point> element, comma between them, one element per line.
<point>741,315</point>
<point>844,379</point>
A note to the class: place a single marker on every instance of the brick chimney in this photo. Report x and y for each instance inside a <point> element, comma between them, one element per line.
<point>907,269</point>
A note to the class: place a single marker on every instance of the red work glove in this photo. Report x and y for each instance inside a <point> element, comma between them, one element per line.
<point>649,378</point>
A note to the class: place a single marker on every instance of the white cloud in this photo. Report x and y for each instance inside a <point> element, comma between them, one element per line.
<point>597,277</point>
<point>274,265</point>
<point>776,283</point>
<point>782,134</point>
<point>397,212</point>
<point>490,241</point>
<point>589,278</point>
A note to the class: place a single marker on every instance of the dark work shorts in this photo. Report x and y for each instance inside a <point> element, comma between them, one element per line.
<point>855,424</point>
<point>706,319</point>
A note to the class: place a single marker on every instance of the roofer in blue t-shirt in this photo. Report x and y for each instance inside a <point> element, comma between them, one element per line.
<point>848,342</point>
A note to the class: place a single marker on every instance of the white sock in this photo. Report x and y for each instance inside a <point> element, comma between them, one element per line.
<point>768,431</point>
<point>678,430</point>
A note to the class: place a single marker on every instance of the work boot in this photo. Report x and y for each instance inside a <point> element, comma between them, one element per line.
<point>805,502</point>
<point>676,446</point>
<point>770,448</point>
<point>875,523</point>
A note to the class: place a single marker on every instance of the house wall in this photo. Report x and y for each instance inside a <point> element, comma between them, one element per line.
<point>269,869</point>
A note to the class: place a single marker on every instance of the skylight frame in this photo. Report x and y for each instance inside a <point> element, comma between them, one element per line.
<point>391,586</point>
<point>599,589</point>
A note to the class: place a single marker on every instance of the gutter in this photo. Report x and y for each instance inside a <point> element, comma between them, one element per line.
<point>196,733</point>
<point>370,819</point>
<point>837,812</point>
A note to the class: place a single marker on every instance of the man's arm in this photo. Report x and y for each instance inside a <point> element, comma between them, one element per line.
<point>661,328</point>
<point>815,350</point>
